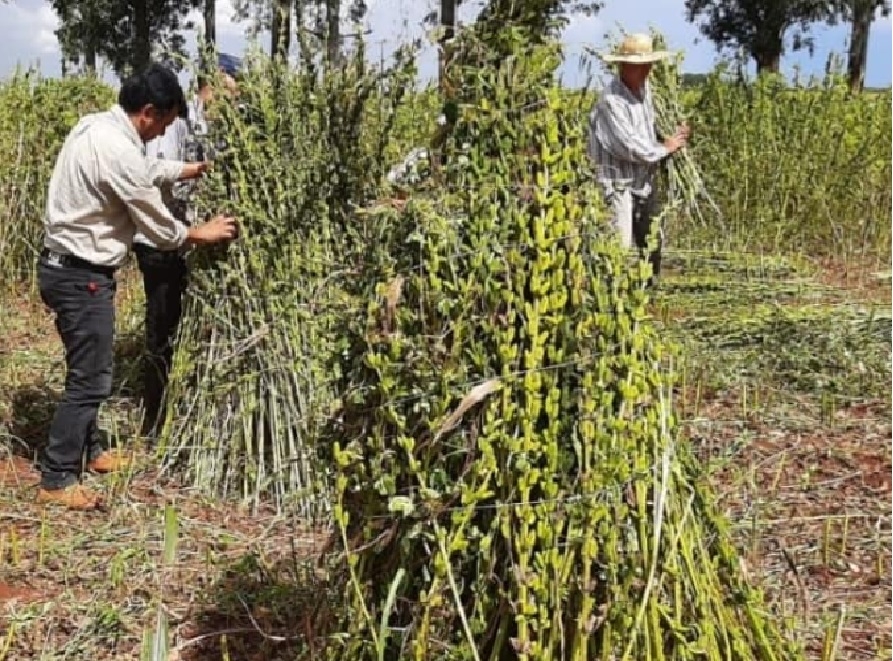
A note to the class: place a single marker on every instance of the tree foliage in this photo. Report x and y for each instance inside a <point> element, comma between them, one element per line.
<point>759,27</point>
<point>318,21</point>
<point>122,32</point>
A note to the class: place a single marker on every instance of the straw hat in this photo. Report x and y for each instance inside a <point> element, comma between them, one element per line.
<point>636,49</point>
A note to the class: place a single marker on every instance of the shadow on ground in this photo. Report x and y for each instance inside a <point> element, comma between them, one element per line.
<point>128,365</point>
<point>32,411</point>
<point>32,406</point>
<point>277,612</point>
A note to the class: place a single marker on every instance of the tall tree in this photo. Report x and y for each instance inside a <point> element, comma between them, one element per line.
<point>759,27</point>
<point>860,14</point>
<point>121,31</point>
<point>280,29</point>
<point>319,20</point>
<point>209,15</point>
<point>83,29</point>
<point>333,30</point>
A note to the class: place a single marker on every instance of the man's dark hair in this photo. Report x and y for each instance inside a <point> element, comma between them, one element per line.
<point>156,85</point>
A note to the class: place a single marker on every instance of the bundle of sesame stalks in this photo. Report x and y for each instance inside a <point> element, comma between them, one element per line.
<point>253,377</point>
<point>686,188</point>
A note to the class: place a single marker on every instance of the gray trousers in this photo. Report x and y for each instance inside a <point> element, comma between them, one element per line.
<point>83,300</point>
<point>633,217</point>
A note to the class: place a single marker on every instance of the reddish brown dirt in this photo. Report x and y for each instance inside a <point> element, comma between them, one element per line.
<point>859,278</point>
<point>16,470</point>
<point>817,500</point>
<point>18,594</point>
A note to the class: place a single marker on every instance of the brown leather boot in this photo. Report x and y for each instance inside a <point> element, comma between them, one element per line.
<point>110,461</point>
<point>75,497</point>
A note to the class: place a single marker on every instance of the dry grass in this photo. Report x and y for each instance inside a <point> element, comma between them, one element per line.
<point>801,462</point>
<point>806,484</point>
<point>87,585</point>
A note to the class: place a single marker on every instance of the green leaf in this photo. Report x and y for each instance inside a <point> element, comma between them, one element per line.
<point>401,504</point>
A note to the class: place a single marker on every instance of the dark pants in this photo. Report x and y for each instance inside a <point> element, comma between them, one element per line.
<point>83,300</point>
<point>164,280</point>
<point>645,212</point>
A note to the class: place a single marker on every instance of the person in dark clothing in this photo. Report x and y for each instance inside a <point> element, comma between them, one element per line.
<point>165,271</point>
<point>102,190</point>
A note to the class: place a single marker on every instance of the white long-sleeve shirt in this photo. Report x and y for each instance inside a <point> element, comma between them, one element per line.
<point>103,190</point>
<point>622,139</point>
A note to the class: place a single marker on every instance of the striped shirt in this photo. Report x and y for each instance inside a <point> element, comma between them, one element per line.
<point>623,142</point>
<point>103,190</point>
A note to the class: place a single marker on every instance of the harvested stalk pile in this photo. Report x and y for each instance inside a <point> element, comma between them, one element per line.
<point>252,379</point>
<point>510,482</point>
<point>685,185</point>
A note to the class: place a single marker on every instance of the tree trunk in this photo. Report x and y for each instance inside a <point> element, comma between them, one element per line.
<point>863,12</point>
<point>90,59</point>
<point>768,61</point>
<point>210,17</point>
<point>333,31</point>
<point>142,50</point>
<point>448,23</point>
<point>280,31</point>
<point>207,47</point>
<point>768,46</point>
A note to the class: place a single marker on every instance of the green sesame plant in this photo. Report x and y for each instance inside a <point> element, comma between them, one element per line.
<point>510,482</point>
<point>36,114</point>
<point>252,377</point>
<point>803,167</point>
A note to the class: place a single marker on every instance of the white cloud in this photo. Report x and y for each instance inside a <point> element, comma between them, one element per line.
<point>46,22</point>
<point>28,35</point>
<point>224,15</point>
<point>28,27</point>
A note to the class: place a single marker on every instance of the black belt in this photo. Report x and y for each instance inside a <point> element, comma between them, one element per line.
<point>143,248</point>
<point>53,258</point>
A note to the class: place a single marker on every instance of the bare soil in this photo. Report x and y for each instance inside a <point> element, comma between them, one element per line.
<point>807,491</point>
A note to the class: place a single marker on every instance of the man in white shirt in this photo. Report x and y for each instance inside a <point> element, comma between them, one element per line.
<point>102,190</point>
<point>624,145</point>
<point>165,271</point>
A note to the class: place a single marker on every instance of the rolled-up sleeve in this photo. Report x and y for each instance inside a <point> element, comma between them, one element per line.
<point>621,138</point>
<point>162,172</point>
<point>130,177</point>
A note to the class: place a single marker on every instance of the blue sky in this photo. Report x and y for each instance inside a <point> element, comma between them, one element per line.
<point>27,28</point>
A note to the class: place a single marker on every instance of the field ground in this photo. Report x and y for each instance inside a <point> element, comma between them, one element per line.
<point>784,390</point>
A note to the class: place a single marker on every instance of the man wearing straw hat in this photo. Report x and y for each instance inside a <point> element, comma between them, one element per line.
<point>625,146</point>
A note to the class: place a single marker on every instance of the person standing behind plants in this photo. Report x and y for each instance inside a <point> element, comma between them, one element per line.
<point>625,147</point>
<point>165,271</point>
<point>102,191</point>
